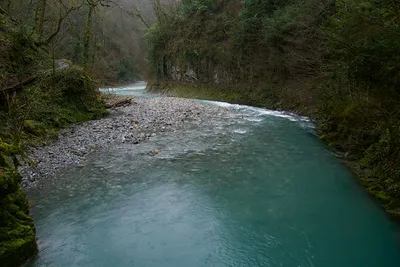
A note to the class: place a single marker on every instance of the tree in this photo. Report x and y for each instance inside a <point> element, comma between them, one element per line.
<point>87,36</point>
<point>40,13</point>
<point>64,12</point>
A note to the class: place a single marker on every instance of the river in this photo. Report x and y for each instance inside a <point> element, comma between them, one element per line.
<point>254,189</point>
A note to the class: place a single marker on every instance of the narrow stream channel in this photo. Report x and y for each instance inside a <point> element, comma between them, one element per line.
<point>254,189</point>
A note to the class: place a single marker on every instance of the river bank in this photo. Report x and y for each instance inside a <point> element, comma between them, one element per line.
<point>375,169</point>
<point>131,124</point>
<point>241,179</point>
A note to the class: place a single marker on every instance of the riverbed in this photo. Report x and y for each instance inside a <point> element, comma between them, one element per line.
<point>206,184</point>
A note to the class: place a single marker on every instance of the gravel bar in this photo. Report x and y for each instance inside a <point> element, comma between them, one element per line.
<point>132,124</point>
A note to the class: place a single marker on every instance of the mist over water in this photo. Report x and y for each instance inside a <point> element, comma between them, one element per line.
<point>256,188</point>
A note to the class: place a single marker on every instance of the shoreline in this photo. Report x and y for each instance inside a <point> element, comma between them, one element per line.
<point>132,123</point>
<point>372,184</point>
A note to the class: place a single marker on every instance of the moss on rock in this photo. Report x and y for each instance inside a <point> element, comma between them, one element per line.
<point>53,98</point>
<point>17,230</point>
<point>69,96</point>
<point>34,127</point>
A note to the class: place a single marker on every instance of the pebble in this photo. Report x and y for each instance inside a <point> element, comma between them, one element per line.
<point>148,116</point>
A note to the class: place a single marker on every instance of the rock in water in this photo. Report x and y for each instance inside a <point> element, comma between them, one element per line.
<point>155,152</point>
<point>130,124</point>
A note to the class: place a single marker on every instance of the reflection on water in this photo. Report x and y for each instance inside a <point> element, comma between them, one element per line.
<point>253,189</point>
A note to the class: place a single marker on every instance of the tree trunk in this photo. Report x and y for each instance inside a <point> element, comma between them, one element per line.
<point>93,57</point>
<point>40,16</point>
<point>87,36</point>
<point>9,3</point>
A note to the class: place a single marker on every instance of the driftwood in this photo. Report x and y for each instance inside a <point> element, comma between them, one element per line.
<point>114,101</point>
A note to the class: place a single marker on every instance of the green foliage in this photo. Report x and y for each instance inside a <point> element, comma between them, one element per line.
<point>336,60</point>
<point>195,40</point>
<point>55,100</point>
<point>34,127</point>
<point>197,6</point>
<point>32,112</point>
<point>126,71</point>
<point>263,39</point>
<point>277,27</point>
<point>17,231</point>
<point>363,40</point>
<point>67,96</point>
<point>254,12</point>
<point>157,37</point>
<point>361,91</point>
<point>23,52</point>
<point>20,55</point>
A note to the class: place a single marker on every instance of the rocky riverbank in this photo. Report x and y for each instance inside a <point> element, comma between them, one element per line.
<point>132,124</point>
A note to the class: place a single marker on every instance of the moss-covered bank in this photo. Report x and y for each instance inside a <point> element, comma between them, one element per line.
<point>34,116</point>
<point>17,230</point>
<point>36,99</point>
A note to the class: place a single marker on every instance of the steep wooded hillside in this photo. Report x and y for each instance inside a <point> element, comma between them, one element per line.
<point>334,60</point>
<point>37,96</point>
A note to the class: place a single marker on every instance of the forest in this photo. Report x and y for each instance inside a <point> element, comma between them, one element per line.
<point>336,61</point>
<point>54,55</point>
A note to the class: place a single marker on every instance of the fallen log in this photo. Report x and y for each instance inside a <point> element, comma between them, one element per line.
<point>19,85</point>
<point>114,101</point>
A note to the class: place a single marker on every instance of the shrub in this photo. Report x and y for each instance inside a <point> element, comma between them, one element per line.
<point>197,6</point>
<point>363,40</point>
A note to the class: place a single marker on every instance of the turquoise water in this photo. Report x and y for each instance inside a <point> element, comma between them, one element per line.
<point>253,189</point>
<point>137,89</point>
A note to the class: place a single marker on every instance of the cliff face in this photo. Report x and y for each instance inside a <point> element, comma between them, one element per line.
<point>200,73</point>
<point>238,42</point>
<point>194,48</point>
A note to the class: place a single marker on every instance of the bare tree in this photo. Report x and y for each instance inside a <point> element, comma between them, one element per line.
<point>40,13</point>
<point>64,12</point>
<point>87,36</point>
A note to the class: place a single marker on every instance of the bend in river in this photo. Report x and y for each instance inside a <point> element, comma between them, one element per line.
<point>229,185</point>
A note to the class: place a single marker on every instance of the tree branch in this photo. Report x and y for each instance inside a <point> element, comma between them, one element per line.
<point>19,85</point>
<point>136,14</point>
<point>60,22</point>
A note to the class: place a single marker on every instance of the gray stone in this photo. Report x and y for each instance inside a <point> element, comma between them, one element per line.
<point>130,124</point>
